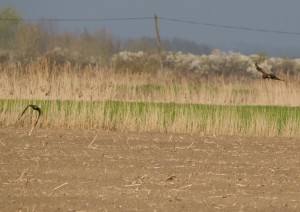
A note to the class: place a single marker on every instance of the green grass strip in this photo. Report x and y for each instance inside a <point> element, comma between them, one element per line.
<point>160,117</point>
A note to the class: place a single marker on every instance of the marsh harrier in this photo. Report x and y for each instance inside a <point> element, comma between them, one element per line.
<point>266,75</point>
<point>34,107</point>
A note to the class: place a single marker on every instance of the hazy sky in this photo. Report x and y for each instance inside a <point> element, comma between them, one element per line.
<point>259,14</point>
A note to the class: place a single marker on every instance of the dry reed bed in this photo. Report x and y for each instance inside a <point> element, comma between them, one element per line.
<point>96,98</point>
<point>38,81</point>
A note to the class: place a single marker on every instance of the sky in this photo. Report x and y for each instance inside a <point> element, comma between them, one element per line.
<point>274,15</point>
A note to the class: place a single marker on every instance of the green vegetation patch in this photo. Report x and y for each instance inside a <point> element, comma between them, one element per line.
<point>160,117</point>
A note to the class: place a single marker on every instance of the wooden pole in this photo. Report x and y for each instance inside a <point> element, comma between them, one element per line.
<point>158,41</point>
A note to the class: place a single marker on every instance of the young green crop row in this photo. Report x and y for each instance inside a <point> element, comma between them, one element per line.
<point>156,117</point>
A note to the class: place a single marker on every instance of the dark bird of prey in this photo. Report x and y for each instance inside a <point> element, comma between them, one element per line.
<point>266,75</point>
<point>34,107</point>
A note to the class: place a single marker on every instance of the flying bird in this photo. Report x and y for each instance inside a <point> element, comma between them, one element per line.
<point>266,75</point>
<point>34,107</point>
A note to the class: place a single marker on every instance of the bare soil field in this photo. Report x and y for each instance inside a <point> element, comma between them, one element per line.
<point>77,170</point>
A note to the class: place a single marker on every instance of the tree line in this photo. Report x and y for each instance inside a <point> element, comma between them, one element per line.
<point>24,41</point>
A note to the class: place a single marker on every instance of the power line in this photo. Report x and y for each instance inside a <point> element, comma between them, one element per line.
<point>77,19</point>
<point>229,26</point>
<point>160,18</point>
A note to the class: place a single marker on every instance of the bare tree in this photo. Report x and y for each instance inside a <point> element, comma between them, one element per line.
<point>10,20</point>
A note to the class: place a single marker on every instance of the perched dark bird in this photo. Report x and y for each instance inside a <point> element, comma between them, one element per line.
<point>266,75</point>
<point>34,107</point>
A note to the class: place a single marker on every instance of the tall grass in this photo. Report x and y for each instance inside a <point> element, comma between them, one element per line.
<point>158,117</point>
<point>38,81</point>
<point>97,98</point>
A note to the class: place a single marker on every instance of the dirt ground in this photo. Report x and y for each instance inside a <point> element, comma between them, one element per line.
<point>72,170</point>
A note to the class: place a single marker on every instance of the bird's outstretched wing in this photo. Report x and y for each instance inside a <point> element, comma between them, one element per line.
<point>34,107</point>
<point>23,112</point>
<point>260,69</point>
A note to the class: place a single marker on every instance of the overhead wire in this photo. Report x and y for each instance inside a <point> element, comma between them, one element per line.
<point>228,26</point>
<point>78,19</point>
<point>160,18</point>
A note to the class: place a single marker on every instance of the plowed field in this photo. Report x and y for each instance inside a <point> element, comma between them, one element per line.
<point>76,170</point>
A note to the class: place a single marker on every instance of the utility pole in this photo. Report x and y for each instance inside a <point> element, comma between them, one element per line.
<point>158,41</point>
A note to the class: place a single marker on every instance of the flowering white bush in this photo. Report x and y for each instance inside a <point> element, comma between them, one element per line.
<point>218,62</point>
<point>130,56</point>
